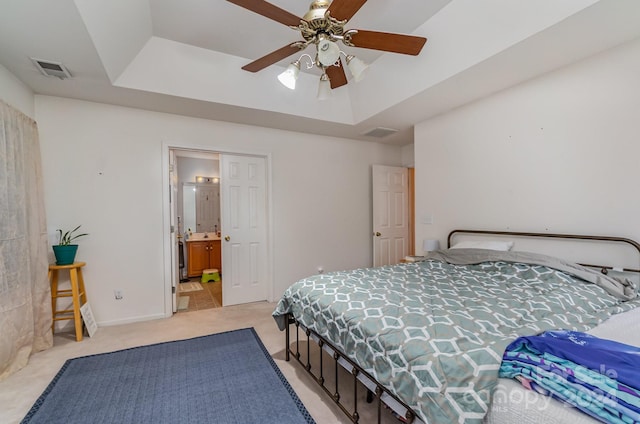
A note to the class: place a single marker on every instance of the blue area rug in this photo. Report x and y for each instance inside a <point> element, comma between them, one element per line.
<point>222,378</point>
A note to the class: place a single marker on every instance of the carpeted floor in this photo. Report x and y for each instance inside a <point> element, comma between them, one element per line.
<point>225,378</point>
<point>20,390</point>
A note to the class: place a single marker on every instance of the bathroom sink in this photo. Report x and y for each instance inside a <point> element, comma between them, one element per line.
<point>201,236</point>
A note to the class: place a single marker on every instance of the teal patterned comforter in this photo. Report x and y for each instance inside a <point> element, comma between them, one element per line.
<point>433,333</point>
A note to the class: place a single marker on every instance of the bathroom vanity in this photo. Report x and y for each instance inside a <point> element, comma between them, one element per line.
<point>203,253</point>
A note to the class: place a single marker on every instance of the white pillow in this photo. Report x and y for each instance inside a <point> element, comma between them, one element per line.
<point>491,245</point>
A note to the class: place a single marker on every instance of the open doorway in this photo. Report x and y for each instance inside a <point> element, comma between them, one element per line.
<point>198,230</point>
<point>243,235</point>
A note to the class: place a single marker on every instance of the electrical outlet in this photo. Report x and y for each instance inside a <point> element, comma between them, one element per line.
<point>118,294</point>
<point>320,270</point>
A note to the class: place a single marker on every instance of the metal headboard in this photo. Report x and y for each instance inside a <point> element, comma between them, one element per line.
<point>552,235</point>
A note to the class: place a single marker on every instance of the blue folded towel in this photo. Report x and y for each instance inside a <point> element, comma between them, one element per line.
<point>600,377</point>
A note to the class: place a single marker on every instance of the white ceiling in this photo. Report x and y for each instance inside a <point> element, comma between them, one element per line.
<point>184,56</point>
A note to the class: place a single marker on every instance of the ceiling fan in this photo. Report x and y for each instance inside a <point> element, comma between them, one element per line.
<point>323,25</point>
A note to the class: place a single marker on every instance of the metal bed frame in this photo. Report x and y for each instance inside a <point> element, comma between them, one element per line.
<point>603,268</point>
<point>371,385</point>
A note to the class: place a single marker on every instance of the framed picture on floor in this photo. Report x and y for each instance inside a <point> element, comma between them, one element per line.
<point>89,321</point>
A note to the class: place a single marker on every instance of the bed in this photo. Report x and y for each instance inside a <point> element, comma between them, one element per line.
<point>426,339</point>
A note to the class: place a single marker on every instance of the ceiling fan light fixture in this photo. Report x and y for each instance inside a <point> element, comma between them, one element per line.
<point>290,75</point>
<point>356,67</point>
<point>323,26</point>
<point>328,52</point>
<point>324,87</point>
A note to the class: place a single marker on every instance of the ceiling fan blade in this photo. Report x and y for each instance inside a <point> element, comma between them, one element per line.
<point>388,42</point>
<point>269,10</point>
<point>271,58</point>
<point>345,9</point>
<point>336,75</point>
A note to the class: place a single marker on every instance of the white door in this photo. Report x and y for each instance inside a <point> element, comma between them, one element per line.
<point>390,214</point>
<point>244,232</point>
<point>173,222</point>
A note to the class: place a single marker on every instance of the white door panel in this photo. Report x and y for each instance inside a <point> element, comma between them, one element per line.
<point>390,214</point>
<point>173,222</point>
<point>244,251</point>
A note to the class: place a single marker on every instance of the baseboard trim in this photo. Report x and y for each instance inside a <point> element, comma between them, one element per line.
<point>130,320</point>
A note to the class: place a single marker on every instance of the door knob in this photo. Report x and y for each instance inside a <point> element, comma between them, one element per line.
<point>378,234</point>
<point>227,238</point>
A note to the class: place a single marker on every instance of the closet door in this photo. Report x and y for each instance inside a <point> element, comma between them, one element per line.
<point>244,232</point>
<point>390,214</point>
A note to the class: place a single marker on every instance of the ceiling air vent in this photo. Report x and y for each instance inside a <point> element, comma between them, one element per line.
<point>51,69</point>
<point>380,132</point>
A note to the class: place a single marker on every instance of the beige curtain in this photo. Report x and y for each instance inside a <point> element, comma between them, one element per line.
<point>25,302</point>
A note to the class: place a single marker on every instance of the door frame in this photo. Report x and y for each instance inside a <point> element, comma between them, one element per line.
<point>412,210</point>
<point>166,218</point>
<point>174,225</point>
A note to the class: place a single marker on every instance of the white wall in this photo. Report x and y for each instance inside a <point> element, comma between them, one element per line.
<point>102,169</point>
<point>190,168</point>
<point>408,158</point>
<point>560,153</point>
<point>15,93</point>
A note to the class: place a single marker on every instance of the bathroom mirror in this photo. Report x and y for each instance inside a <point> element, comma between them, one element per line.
<point>198,201</point>
<point>201,207</point>
<point>189,206</point>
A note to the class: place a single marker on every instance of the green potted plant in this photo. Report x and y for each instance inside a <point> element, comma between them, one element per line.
<point>64,251</point>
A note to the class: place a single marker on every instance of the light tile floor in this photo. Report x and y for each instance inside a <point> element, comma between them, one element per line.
<point>210,297</point>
